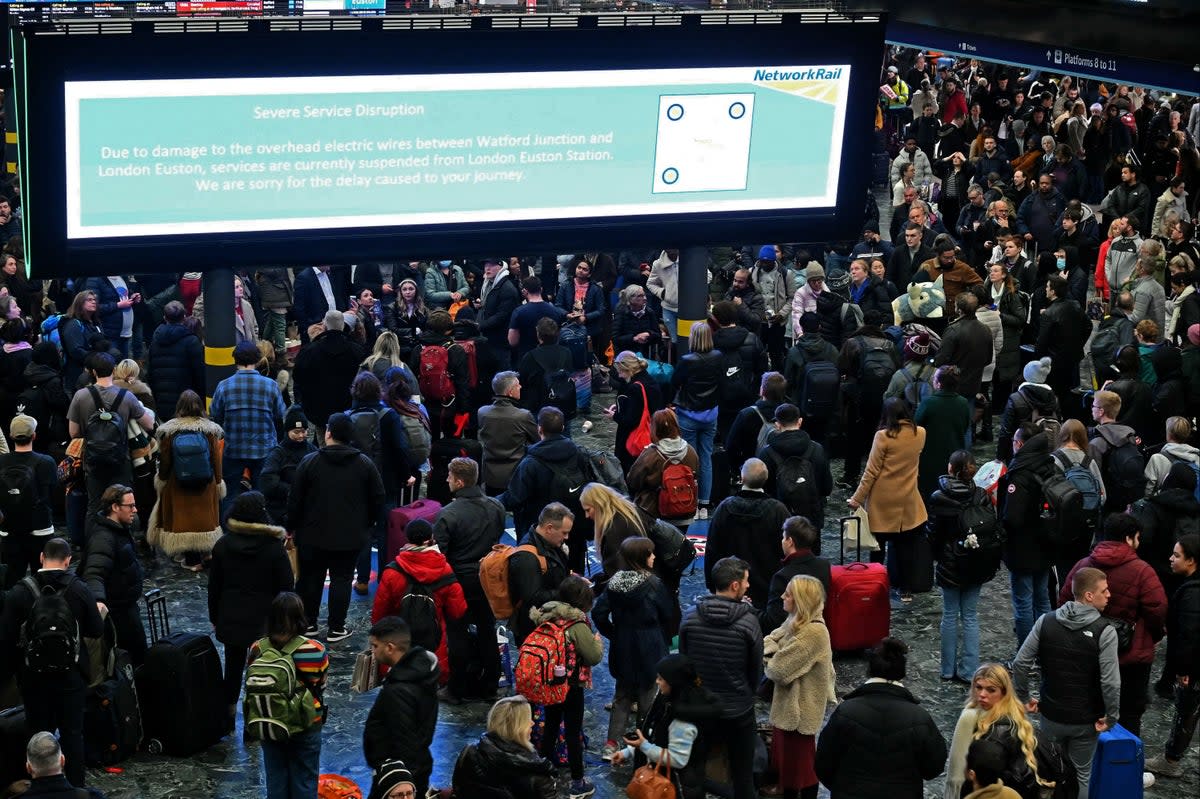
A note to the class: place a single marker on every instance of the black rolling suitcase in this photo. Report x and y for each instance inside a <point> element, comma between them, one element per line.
<point>112,725</point>
<point>14,737</point>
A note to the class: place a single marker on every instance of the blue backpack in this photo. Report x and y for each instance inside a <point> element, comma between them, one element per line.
<point>51,326</point>
<point>191,459</point>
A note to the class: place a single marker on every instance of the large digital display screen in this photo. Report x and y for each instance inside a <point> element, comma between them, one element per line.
<point>172,157</point>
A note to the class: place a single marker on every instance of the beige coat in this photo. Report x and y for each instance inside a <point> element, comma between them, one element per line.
<point>889,483</point>
<point>185,519</point>
<point>801,666</point>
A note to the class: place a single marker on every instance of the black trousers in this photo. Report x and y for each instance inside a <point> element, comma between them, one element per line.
<point>570,711</point>
<point>21,550</point>
<point>235,667</point>
<point>339,565</point>
<point>739,736</point>
<point>474,658</point>
<point>56,703</point>
<point>131,634</point>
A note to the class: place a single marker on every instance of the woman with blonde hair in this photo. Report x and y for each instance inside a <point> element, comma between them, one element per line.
<point>503,762</point>
<point>697,382</point>
<point>614,518</point>
<point>384,355</point>
<point>638,394</point>
<point>994,713</point>
<point>798,660</point>
<point>126,375</point>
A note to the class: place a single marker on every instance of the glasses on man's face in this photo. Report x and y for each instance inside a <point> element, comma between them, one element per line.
<point>127,504</point>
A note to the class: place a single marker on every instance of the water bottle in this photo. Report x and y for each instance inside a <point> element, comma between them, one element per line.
<point>506,666</point>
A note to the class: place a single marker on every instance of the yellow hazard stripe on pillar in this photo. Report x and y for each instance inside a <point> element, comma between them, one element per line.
<point>218,356</point>
<point>683,327</point>
<point>10,137</point>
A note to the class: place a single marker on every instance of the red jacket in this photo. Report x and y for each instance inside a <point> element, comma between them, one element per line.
<point>1137,595</point>
<point>427,564</point>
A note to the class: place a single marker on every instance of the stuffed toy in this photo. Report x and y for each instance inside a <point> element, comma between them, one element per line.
<point>922,301</point>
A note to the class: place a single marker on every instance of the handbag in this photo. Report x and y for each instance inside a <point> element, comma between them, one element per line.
<point>366,672</point>
<point>650,783</point>
<point>639,437</point>
<point>864,539</point>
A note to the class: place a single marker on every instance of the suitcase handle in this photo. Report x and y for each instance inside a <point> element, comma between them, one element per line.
<point>842,539</point>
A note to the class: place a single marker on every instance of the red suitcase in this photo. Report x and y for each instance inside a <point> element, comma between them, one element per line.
<point>400,518</point>
<point>858,610</point>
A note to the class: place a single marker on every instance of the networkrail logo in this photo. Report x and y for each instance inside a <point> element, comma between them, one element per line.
<point>812,73</point>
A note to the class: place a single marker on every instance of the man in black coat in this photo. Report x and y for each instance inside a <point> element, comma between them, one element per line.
<point>112,570</point>
<point>967,344</point>
<point>403,719</point>
<point>325,368</point>
<point>52,700</point>
<point>880,743</point>
<point>723,639</point>
<point>789,441</point>
<point>176,361</point>
<point>799,540</point>
<point>908,256</point>
<point>499,297</point>
<point>745,526</point>
<point>466,530</point>
<point>1062,331</point>
<point>337,496</point>
<point>1027,554</point>
<point>533,578</point>
<point>46,763</point>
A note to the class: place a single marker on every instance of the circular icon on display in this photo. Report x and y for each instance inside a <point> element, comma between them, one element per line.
<point>670,175</point>
<point>737,110</point>
<point>675,112</point>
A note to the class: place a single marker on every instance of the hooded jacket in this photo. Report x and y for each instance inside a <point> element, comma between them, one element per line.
<point>783,444</point>
<point>751,354</point>
<point>249,568</point>
<point>1120,261</point>
<point>175,364</point>
<point>806,350</point>
<point>19,602</point>
<point>645,475</point>
<point>185,518</point>
<point>52,418</point>
<point>724,641</point>
<point>1106,438</point>
<point>746,525</point>
<point>323,374</point>
<point>742,441</point>
<point>336,498</point>
<point>1020,506</point>
<point>1020,408</point>
<point>496,768</point>
<point>634,613</point>
<point>530,488</point>
<point>588,649</point>
<point>279,470</point>
<point>427,565</point>
<point>402,721</point>
<point>1183,629</point>
<point>1160,463</point>
<point>1164,517</point>
<point>1136,595</point>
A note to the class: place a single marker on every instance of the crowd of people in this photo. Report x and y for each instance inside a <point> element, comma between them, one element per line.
<point>994,322</point>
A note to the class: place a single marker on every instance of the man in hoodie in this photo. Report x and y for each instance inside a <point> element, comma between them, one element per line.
<point>745,359</point>
<point>777,285</point>
<point>1062,332</point>
<point>1120,258</point>
<point>866,363</point>
<point>723,639</point>
<point>176,361</point>
<point>754,422</point>
<point>810,348</point>
<point>335,500</point>
<point>401,723</point>
<point>1137,599</point>
<point>1027,552</point>
<point>1076,652</point>
<point>744,526</point>
<point>1107,437</point>
<point>53,701</point>
<point>1033,398</point>
<point>325,369</point>
<point>466,530</point>
<point>797,468</point>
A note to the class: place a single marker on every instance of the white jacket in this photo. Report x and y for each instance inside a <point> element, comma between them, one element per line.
<point>664,281</point>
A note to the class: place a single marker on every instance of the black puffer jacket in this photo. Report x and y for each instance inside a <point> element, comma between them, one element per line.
<point>335,500</point>
<point>175,364</point>
<point>1020,507</point>
<point>1028,397</point>
<point>724,641</point>
<point>466,530</point>
<point>879,744</point>
<point>401,723</point>
<point>498,769</point>
<point>697,380</point>
<point>957,568</point>
<point>279,470</point>
<point>1183,629</point>
<point>249,568</point>
<point>111,568</point>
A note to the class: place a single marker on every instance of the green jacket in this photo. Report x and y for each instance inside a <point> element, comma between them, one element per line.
<point>946,417</point>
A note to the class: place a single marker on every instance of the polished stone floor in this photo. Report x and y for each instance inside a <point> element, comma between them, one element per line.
<point>232,770</point>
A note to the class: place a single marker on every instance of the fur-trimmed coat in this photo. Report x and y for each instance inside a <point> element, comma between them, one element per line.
<point>249,567</point>
<point>186,519</point>
<point>801,666</point>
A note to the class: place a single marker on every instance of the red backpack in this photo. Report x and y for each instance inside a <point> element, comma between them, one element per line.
<point>434,377</point>
<point>546,647</point>
<point>468,346</point>
<point>677,494</point>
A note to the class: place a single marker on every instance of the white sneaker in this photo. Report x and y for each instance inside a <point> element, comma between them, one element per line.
<point>1147,780</point>
<point>701,513</point>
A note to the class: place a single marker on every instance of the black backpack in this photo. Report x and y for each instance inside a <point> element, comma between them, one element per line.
<point>560,392</point>
<point>419,608</point>
<point>105,439</point>
<point>876,365</point>
<point>52,427</point>
<point>368,438</point>
<point>821,385</point>
<point>18,494</point>
<point>1124,471</point>
<point>1062,509</point>
<point>981,538</point>
<point>191,459</point>
<point>50,635</point>
<point>796,485</point>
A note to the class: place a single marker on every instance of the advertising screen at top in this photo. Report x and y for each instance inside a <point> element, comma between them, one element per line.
<point>170,157</point>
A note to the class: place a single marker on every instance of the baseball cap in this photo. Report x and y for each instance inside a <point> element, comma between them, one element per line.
<point>22,426</point>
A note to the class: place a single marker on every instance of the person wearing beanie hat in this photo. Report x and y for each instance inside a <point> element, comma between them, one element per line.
<point>336,498</point>
<point>872,246</point>
<point>249,568</point>
<point>1037,372</point>
<point>279,468</point>
<point>422,562</point>
<point>1193,335</point>
<point>777,285</point>
<point>1034,394</point>
<point>393,780</point>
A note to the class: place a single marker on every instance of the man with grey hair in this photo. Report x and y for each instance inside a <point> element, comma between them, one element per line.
<point>505,431</point>
<point>1149,298</point>
<point>45,762</point>
<point>324,371</point>
<point>746,525</point>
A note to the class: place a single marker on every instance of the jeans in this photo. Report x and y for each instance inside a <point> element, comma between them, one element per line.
<point>314,565</point>
<point>960,603</point>
<point>700,435</point>
<point>291,767</point>
<point>671,321</point>
<point>275,329</point>
<point>232,469</point>
<point>1080,742</point>
<point>1187,711</point>
<point>56,703</point>
<point>1030,599</point>
<point>624,695</point>
<point>570,711</point>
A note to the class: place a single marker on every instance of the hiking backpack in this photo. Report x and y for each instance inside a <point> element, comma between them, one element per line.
<point>191,459</point>
<point>434,375</point>
<point>416,430</point>
<point>1176,459</point>
<point>493,577</point>
<point>1080,475</point>
<point>796,485</point>
<point>50,635</point>
<point>546,647</point>
<point>678,495</point>
<point>277,704</point>
<point>17,496</point>
<point>105,439</point>
<point>52,329</point>
<point>819,391</point>
<point>368,432</point>
<point>419,608</point>
<point>1123,469</point>
<point>876,365</point>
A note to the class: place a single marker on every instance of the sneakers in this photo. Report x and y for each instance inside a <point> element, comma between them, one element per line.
<point>1147,780</point>
<point>361,588</point>
<point>1163,767</point>
<point>337,635</point>
<point>311,630</point>
<point>444,695</point>
<point>580,789</point>
<point>701,513</point>
<point>610,749</point>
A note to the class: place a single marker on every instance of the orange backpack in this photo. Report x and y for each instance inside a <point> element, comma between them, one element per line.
<point>493,576</point>
<point>335,786</point>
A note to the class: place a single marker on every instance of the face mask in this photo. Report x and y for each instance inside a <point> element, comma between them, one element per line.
<point>1061,263</point>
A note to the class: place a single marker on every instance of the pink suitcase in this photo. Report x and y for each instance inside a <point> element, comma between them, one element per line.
<point>399,519</point>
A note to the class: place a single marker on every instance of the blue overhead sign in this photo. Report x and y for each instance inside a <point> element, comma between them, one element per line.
<point>1054,58</point>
